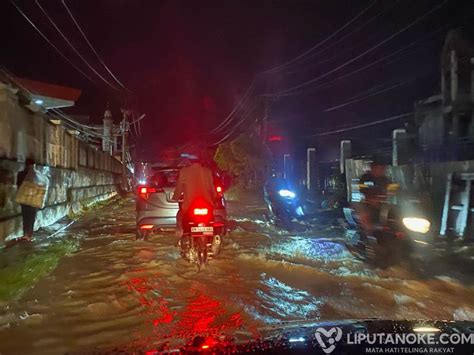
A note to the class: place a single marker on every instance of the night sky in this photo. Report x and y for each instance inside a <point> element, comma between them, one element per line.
<point>187,62</point>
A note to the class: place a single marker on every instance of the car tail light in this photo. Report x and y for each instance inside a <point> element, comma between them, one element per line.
<point>145,192</point>
<point>146,226</point>
<point>201,211</point>
<point>219,189</point>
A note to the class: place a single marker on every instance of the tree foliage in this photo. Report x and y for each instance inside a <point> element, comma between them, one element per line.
<point>246,158</point>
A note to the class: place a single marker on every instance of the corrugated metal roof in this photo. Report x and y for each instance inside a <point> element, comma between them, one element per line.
<point>50,90</point>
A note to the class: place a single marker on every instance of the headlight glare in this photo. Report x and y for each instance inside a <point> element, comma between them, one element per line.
<point>287,193</point>
<point>419,225</point>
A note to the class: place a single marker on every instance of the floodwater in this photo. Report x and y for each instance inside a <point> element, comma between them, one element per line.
<point>118,293</point>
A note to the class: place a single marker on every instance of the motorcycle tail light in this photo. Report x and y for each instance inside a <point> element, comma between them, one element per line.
<point>201,211</point>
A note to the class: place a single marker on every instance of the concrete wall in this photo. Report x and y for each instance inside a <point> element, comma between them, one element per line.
<point>78,173</point>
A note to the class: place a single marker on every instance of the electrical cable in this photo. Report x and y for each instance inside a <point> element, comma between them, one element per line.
<point>363,125</point>
<point>346,36</point>
<point>72,46</point>
<point>378,92</point>
<point>233,130</point>
<point>304,54</point>
<point>309,82</point>
<point>49,42</point>
<point>240,103</point>
<point>92,47</point>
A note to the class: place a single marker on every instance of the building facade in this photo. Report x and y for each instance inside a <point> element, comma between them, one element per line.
<point>445,122</point>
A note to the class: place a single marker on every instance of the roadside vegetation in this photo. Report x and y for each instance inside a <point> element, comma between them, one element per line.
<point>248,160</point>
<point>26,265</point>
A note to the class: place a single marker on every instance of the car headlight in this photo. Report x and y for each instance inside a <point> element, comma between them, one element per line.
<point>419,225</point>
<point>287,193</point>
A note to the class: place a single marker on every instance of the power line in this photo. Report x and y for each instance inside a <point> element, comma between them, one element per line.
<point>309,82</point>
<point>393,118</point>
<point>72,46</point>
<point>239,123</point>
<point>240,103</point>
<point>91,46</point>
<point>346,36</point>
<point>290,90</point>
<point>334,57</point>
<point>228,119</point>
<point>49,42</point>
<point>82,128</point>
<point>378,92</point>
<point>399,51</point>
<point>304,54</point>
<point>243,117</point>
<point>370,93</point>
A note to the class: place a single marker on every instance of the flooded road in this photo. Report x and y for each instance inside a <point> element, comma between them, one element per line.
<point>116,292</point>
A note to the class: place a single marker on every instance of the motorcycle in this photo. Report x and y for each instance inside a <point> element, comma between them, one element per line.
<point>401,225</point>
<point>284,207</point>
<point>202,234</point>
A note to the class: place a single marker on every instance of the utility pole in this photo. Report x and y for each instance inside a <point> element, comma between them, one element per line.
<point>310,168</point>
<point>263,129</point>
<point>124,126</point>
<point>107,132</point>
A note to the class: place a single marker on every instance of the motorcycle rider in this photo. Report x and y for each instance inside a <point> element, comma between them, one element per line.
<point>275,183</point>
<point>282,210</point>
<point>194,182</point>
<point>373,185</point>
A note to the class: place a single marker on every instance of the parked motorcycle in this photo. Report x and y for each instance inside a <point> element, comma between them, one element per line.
<point>202,234</point>
<point>284,207</point>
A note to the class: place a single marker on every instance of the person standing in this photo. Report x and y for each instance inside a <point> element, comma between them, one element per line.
<point>28,213</point>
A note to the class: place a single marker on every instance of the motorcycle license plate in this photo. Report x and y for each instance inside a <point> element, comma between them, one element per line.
<point>204,230</point>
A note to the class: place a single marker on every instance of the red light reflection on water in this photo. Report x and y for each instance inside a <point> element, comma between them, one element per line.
<point>200,314</point>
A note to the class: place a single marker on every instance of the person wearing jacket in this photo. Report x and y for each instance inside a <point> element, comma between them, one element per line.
<point>195,182</point>
<point>28,213</point>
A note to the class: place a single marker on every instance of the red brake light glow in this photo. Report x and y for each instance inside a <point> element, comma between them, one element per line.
<point>201,211</point>
<point>146,226</point>
<point>219,188</point>
<point>275,138</point>
<point>144,191</point>
<point>205,347</point>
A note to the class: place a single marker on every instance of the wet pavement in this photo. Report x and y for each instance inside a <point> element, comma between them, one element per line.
<point>115,292</point>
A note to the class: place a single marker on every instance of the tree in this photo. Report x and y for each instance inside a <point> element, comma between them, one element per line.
<point>246,158</point>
